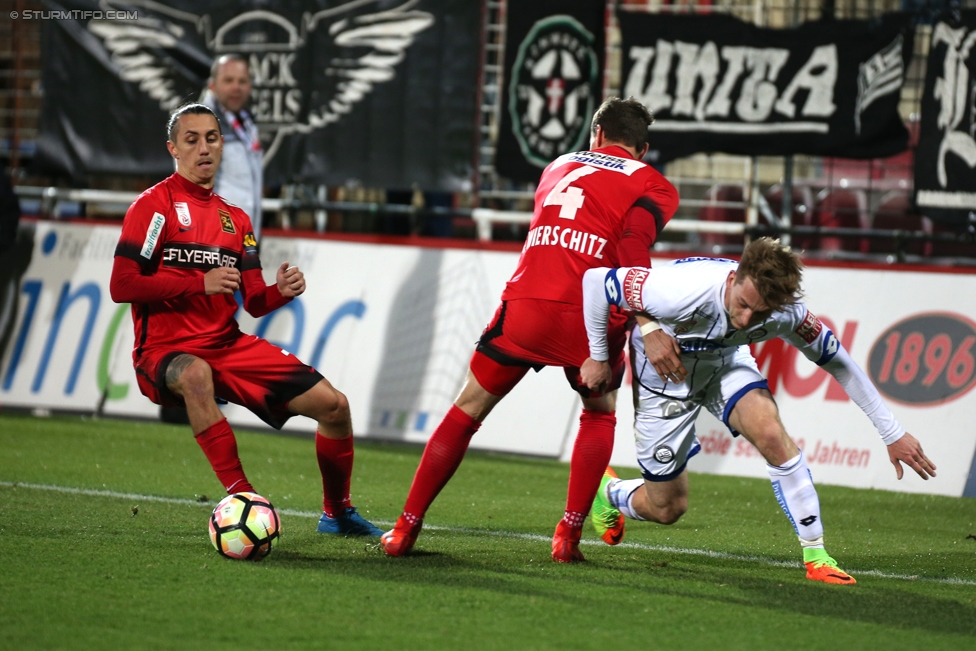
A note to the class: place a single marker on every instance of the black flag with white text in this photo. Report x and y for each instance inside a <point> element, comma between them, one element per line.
<point>372,92</point>
<point>718,84</point>
<point>945,160</point>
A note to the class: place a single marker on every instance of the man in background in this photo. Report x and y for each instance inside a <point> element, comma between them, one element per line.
<point>241,175</point>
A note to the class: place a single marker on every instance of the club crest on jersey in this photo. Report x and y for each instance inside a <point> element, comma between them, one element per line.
<point>684,327</point>
<point>634,287</point>
<point>810,328</point>
<point>183,213</point>
<point>225,221</point>
<point>755,335</point>
<point>553,83</point>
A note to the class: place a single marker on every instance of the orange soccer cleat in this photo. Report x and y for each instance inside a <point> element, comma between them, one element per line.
<point>565,544</point>
<point>825,569</point>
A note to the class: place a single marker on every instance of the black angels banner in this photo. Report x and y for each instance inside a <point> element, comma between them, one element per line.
<point>717,84</point>
<point>945,160</point>
<point>381,92</point>
<point>553,83</point>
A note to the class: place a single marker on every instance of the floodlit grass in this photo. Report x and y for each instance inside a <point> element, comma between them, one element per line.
<point>107,571</point>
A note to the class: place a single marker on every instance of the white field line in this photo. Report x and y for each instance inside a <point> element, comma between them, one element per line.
<point>486,532</point>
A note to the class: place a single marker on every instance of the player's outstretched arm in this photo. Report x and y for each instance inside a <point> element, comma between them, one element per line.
<point>908,450</point>
<point>902,446</point>
<point>290,280</point>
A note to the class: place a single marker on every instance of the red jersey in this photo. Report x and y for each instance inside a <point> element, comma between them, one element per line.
<point>592,209</point>
<point>172,235</point>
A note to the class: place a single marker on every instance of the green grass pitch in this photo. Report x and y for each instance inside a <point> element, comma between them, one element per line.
<point>103,545</point>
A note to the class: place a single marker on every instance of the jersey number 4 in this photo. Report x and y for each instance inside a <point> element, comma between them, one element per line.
<point>568,198</point>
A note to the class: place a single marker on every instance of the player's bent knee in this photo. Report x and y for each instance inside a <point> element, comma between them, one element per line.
<point>195,380</point>
<point>341,408</point>
<point>334,406</point>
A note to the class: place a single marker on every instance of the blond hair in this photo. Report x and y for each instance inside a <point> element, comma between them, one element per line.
<point>775,270</point>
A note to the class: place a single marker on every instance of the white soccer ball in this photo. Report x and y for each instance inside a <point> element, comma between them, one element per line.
<point>244,526</point>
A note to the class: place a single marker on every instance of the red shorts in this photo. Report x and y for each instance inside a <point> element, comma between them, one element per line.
<point>529,333</point>
<point>248,371</point>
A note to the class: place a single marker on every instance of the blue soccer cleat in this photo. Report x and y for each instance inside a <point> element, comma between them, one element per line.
<point>349,523</point>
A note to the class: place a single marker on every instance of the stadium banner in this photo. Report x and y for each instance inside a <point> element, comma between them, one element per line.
<point>718,84</point>
<point>945,159</point>
<point>327,77</point>
<point>393,327</point>
<point>554,54</point>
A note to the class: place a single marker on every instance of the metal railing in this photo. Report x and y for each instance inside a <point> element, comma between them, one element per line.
<point>116,202</point>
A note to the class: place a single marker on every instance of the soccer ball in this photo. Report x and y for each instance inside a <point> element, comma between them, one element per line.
<point>244,526</point>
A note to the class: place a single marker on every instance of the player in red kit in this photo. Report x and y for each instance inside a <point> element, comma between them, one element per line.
<point>183,253</point>
<point>591,207</point>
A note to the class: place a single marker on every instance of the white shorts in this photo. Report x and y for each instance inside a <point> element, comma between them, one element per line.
<point>666,412</point>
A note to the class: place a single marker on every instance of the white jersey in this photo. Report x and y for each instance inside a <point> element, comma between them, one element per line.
<point>687,297</point>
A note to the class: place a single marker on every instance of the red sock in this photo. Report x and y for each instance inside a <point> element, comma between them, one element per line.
<point>591,456</point>
<point>335,464</point>
<point>220,446</point>
<point>442,456</point>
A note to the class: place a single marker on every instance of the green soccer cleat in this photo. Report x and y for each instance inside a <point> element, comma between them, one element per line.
<point>608,521</point>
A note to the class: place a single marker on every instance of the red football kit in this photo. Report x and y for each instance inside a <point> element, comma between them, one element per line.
<point>592,209</point>
<point>174,233</point>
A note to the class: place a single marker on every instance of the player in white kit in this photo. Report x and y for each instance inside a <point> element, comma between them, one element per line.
<point>715,308</point>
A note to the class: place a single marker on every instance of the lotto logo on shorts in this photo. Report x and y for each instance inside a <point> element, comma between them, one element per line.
<point>810,329</point>
<point>634,287</point>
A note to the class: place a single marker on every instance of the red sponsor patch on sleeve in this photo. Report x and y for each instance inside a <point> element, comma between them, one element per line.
<point>810,328</point>
<point>634,287</point>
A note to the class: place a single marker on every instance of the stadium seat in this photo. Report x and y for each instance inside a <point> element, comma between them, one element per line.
<point>838,208</point>
<point>895,212</point>
<point>716,213</point>
<point>802,203</point>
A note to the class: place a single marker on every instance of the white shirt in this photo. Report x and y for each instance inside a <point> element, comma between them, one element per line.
<point>687,297</point>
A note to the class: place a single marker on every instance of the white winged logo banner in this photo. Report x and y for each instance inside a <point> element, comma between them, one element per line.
<point>314,66</point>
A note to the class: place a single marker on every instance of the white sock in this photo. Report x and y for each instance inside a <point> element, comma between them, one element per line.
<point>621,492</point>
<point>797,496</point>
